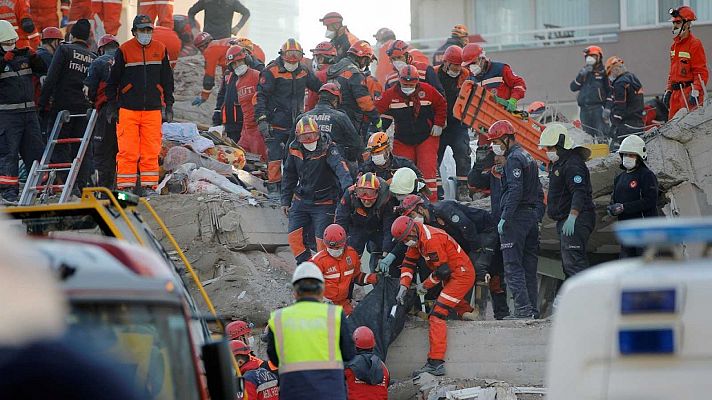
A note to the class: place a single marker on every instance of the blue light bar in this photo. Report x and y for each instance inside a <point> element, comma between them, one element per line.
<point>664,231</point>
<point>648,301</point>
<point>646,341</point>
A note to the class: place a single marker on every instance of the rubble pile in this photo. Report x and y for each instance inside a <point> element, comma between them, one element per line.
<point>429,387</point>
<point>188,79</point>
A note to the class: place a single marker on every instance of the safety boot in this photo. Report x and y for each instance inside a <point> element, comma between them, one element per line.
<point>433,367</point>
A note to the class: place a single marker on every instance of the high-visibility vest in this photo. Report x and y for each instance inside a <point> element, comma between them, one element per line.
<point>306,336</point>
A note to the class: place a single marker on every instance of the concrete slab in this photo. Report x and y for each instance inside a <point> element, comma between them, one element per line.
<point>669,160</point>
<point>512,351</point>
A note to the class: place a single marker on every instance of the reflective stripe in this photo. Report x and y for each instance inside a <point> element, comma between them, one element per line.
<point>267,385</point>
<point>398,105</point>
<point>141,63</point>
<point>350,272</point>
<point>24,71</point>
<point>7,15</point>
<point>9,180</point>
<point>310,366</point>
<point>332,276</point>
<point>365,278</point>
<point>154,3</point>
<point>449,298</point>
<point>122,185</point>
<point>17,106</point>
<point>518,87</point>
<point>432,279</point>
<point>496,79</point>
<point>145,173</point>
<point>330,319</point>
<point>425,102</point>
<point>672,53</point>
<point>408,274</point>
<point>427,232</point>
<point>107,1</point>
<point>34,35</point>
<point>431,180</point>
<point>683,54</point>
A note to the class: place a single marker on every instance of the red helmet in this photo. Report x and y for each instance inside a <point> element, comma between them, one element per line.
<point>536,106</point>
<point>499,129</point>
<point>332,88</point>
<point>334,236</point>
<point>367,186</point>
<point>402,227</point>
<point>331,18</point>
<point>239,348</point>
<point>593,50</point>
<point>307,130</point>
<point>202,40</point>
<point>397,48</point>
<point>453,55</point>
<point>235,329</point>
<point>291,51</point>
<point>471,53</point>
<point>408,74</point>
<point>106,39</point>
<point>684,13</point>
<point>324,49</point>
<point>235,53</point>
<point>410,203</point>
<point>363,338</point>
<point>361,49</point>
<point>51,32</point>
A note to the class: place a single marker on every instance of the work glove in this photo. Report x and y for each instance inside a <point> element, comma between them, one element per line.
<point>500,226</point>
<point>421,290</point>
<point>606,114</point>
<point>384,264</point>
<point>488,278</point>
<point>569,225</point>
<point>512,104</point>
<point>197,101</point>
<point>217,117</point>
<point>85,90</point>
<point>27,25</point>
<point>694,99</point>
<point>666,98</point>
<point>168,113</point>
<point>64,21</point>
<point>42,79</point>
<point>443,272</point>
<point>263,127</point>
<point>614,209</point>
<point>400,297</point>
<point>112,112</point>
<point>436,131</point>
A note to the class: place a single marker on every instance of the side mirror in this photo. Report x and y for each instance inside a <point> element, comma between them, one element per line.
<point>217,361</point>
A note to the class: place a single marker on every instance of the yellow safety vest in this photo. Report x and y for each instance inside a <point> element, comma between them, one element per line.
<point>306,336</point>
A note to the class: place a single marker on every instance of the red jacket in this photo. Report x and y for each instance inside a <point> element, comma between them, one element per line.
<point>341,273</point>
<point>313,96</point>
<point>437,248</point>
<point>413,115</point>
<point>260,383</point>
<point>688,63</point>
<point>360,389</point>
<point>214,56</point>
<point>236,99</point>
<point>500,80</point>
<point>170,39</point>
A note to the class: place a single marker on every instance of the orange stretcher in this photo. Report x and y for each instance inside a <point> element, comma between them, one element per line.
<point>478,109</point>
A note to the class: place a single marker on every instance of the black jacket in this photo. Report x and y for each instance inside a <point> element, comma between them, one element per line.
<point>353,216</point>
<point>569,186</point>
<point>17,91</point>
<point>65,79</point>
<point>316,177</point>
<point>465,224</point>
<point>594,87</point>
<point>367,367</point>
<point>356,100</point>
<point>393,164</point>
<point>218,15</point>
<point>520,182</point>
<point>637,190</point>
<point>440,52</point>
<point>627,101</point>
<point>338,126</point>
<point>45,55</point>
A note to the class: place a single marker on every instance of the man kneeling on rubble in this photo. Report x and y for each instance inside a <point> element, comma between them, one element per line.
<point>450,265</point>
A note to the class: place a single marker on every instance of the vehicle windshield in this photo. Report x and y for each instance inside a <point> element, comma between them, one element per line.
<point>148,342</point>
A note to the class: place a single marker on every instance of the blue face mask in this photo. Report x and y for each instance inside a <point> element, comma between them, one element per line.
<point>144,38</point>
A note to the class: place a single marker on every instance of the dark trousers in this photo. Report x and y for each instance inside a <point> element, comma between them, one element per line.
<point>592,121</point>
<point>459,141</point>
<point>519,242</point>
<point>19,135</point>
<point>488,260</point>
<point>360,239</point>
<point>105,149</point>
<point>276,148</point>
<point>233,133</point>
<point>302,216</point>
<point>65,153</point>
<point>573,248</point>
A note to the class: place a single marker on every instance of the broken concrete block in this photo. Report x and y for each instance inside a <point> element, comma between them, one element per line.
<point>688,200</point>
<point>669,160</point>
<point>603,171</point>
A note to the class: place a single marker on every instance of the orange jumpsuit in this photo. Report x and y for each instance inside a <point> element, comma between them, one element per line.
<point>384,69</point>
<point>109,11</point>
<point>437,248</point>
<point>14,11</point>
<point>688,67</point>
<point>170,39</point>
<point>79,9</point>
<point>214,56</point>
<point>340,274</point>
<point>44,13</point>
<point>163,9</point>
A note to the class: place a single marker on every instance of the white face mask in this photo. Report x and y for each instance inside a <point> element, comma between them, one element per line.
<point>453,74</point>
<point>251,341</point>
<point>144,38</point>
<point>315,65</point>
<point>419,219</point>
<point>676,31</point>
<point>552,156</point>
<point>475,69</point>
<point>590,60</point>
<point>399,64</point>
<point>411,243</point>
<point>498,149</point>
<point>241,70</point>
<point>330,34</point>
<point>378,159</point>
<point>291,67</point>
<point>336,253</point>
<point>629,162</point>
<point>407,91</point>
<point>8,47</point>
<point>310,146</point>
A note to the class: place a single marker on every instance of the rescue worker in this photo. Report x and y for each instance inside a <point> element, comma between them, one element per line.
<point>235,109</point>
<point>44,13</point>
<point>518,224</point>
<point>280,100</point>
<point>366,213</point>
<point>689,74</point>
<point>20,125</point>
<point>104,138</point>
<point>140,85</point>
<point>367,377</point>
<point>218,16</point>
<point>323,57</point>
<point>260,383</point>
<point>338,34</point>
<point>570,200</point>
<point>455,134</point>
<point>593,89</point>
<point>184,30</point>
<point>79,9</point>
<point>341,266</point>
<point>315,176</point>
<point>475,231</point>
<point>214,54</point>
<point>635,190</point>
<point>382,161</point>
<point>399,54</point>
<point>337,125</point>
<point>17,13</point>
<point>419,113</point>
<point>356,100</point>
<point>255,55</point>
<point>240,330</point>
<point>626,110</point>
<point>109,12</point>
<point>160,12</point>
<point>309,341</point>
<point>382,66</point>
<point>459,37</point>
<point>63,90</point>
<point>170,39</point>
<point>498,78</point>
<point>450,267</point>
<point>51,38</point>
<point>405,181</point>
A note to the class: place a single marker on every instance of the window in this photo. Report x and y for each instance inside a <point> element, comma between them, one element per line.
<point>562,13</point>
<point>651,13</point>
<point>503,16</point>
<point>703,9</point>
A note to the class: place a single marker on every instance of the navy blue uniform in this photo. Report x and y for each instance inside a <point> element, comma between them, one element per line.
<point>393,164</point>
<point>356,100</point>
<point>455,133</point>
<point>627,105</point>
<point>339,127</point>
<point>104,138</point>
<point>440,52</point>
<point>637,191</point>
<point>593,89</point>
<point>520,234</point>
<point>570,189</point>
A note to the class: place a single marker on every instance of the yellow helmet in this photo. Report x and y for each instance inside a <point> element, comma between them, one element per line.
<point>551,135</point>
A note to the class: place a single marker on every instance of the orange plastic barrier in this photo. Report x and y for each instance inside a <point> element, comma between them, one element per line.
<point>478,109</point>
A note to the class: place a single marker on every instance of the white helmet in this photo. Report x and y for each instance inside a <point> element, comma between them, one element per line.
<point>307,270</point>
<point>634,145</point>
<point>551,135</point>
<point>403,181</point>
<point>7,32</point>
